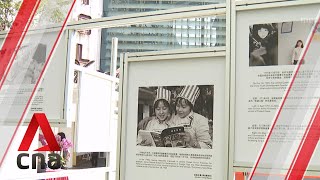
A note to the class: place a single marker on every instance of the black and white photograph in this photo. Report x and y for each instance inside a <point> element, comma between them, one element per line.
<point>270,47</point>
<point>28,64</point>
<point>176,116</point>
<point>263,45</point>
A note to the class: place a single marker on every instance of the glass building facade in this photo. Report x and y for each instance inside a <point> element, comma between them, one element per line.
<point>176,34</point>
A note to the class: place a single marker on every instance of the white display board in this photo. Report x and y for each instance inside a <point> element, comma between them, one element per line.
<point>94,113</point>
<point>258,91</point>
<point>17,90</point>
<point>146,75</point>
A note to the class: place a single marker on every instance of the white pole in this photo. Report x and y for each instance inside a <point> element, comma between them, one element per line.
<point>113,73</point>
<point>114,56</point>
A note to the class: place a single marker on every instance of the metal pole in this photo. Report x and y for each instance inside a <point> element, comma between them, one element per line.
<point>113,73</point>
<point>114,57</point>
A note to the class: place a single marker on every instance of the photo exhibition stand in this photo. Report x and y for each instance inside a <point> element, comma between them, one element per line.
<point>159,149</point>
<point>259,79</point>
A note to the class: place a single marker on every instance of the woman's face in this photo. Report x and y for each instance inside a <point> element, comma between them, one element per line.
<point>182,108</point>
<point>299,44</point>
<point>162,111</point>
<point>263,33</point>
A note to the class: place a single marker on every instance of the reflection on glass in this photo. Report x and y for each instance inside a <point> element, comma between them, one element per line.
<point>120,7</point>
<point>177,34</point>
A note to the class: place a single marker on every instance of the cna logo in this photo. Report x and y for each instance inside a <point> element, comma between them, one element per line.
<point>40,120</point>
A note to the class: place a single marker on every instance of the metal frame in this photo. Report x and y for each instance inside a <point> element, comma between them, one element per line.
<point>50,28</point>
<point>230,24</point>
<point>150,17</point>
<point>121,129</point>
<point>181,54</point>
<point>236,7</point>
<point>65,34</point>
<point>69,82</point>
<point>176,54</point>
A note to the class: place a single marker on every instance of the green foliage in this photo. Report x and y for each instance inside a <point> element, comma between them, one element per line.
<point>8,10</point>
<point>49,11</point>
<point>52,11</point>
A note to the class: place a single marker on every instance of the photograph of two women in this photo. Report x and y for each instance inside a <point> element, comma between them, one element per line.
<point>176,116</point>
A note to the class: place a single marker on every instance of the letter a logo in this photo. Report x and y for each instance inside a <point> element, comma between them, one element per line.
<point>39,119</point>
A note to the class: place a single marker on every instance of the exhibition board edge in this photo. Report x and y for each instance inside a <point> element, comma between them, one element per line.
<point>230,24</point>
<point>266,171</point>
<point>176,54</point>
<point>128,58</point>
<point>120,167</point>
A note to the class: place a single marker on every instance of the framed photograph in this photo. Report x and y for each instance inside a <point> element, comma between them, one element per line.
<point>173,115</point>
<point>263,45</point>
<point>286,27</point>
<point>165,124</point>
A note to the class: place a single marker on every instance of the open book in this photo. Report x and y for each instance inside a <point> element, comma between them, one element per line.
<point>170,137</point>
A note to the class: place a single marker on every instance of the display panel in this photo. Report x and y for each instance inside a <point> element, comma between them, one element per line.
<point>24,73</point>
<point>268,47</point>
<point>174,119</point>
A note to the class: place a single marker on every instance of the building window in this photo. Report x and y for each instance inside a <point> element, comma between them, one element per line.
<point>84,17</point>
<point>79,52</point>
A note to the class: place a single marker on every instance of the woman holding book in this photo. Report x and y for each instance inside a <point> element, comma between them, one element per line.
<point>162,111</point>
<point>195,125</point>
<point>162,118</point>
